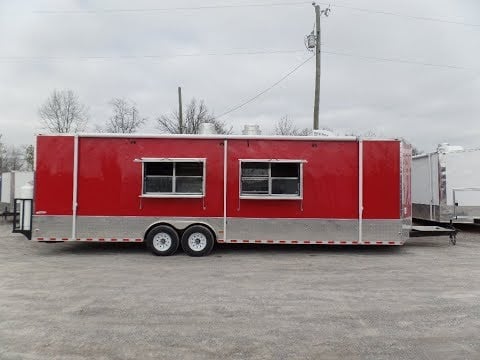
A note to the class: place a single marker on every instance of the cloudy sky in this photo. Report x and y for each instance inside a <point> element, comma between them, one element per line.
<point>398,68</point>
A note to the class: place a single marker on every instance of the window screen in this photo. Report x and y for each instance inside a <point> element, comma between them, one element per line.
<point>271,179</point>
<point>173,177</point>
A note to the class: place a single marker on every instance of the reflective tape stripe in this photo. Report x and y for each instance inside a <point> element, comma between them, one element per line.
<point>89,239</point>
<point>306,242</point>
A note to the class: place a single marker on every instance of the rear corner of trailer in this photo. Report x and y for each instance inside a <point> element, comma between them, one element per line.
<point>52,195</point>
<point>405,189</point>
<point>387,213</point>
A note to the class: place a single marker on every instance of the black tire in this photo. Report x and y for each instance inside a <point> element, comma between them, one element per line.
<point>197,240</point>
<point>162,240</point>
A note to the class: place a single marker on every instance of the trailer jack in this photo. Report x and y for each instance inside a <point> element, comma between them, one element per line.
<point>453,239</point>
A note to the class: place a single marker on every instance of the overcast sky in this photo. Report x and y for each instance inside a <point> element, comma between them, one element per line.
<point>142,55</point>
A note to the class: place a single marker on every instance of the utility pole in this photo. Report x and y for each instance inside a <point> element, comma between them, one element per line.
<point>314,41</point>
<point>180,111</point>
<point>317,68</point>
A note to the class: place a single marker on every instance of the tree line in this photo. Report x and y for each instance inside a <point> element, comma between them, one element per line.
<point>63,112</point>
<point>15,158</point>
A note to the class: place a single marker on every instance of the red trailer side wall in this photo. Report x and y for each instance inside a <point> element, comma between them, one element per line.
<point>381,180</point>
<point>54,175</point>
<point>110,182</point>
<point>330,179</point>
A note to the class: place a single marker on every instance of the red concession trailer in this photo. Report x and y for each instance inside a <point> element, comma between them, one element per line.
<point>197,190</point>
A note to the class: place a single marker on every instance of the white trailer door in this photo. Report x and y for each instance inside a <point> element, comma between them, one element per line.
<point>6,187</point>
<point>463,172</point>
<point>22,178</point>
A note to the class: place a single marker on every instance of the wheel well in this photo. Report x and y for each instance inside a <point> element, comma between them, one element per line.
<point>155,225</point>
<point>179,231</point>
<point>204,225</point>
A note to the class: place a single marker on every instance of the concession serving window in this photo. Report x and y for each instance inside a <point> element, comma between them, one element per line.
<point>173,177</point>
<point>271,179</point>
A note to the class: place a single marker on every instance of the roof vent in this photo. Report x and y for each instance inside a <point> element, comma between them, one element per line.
<point>251,130</point>
<point>323,132</point>
<point>207,128</point>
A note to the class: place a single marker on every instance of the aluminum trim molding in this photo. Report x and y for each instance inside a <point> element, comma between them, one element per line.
<point>338,231</point>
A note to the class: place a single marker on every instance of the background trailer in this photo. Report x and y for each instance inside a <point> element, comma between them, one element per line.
<point>10,188</point>
<point>196,190</point>
<point>446,185</point>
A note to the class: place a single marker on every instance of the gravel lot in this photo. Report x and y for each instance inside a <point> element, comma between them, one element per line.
<point>117,301</point>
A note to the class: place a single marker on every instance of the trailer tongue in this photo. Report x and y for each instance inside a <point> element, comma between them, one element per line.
<point>424,231</point>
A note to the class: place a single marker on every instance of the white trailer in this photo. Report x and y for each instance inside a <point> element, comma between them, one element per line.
<point>11,188</point>
<point>446,185</point>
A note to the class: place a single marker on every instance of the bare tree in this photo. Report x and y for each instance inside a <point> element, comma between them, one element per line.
<point>194,115</point>
<point>12,158</point>
<point>3,157</point>
<point>62,112</point>
<point>285,126</point>
<point>125,117</point>
<point>29,157</point>
<point>15,160</point>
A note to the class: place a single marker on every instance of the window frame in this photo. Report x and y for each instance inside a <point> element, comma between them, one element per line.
<point>172,194</point>
<point>271,196</point>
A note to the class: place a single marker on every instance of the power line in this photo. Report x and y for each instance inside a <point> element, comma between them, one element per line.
<point>236,107</point>
<point>246,52</point>
<point>167,9</point>
<point>145,57</point>
<point>400,61</point>
<point>414,17</point>
<point>234,6</point>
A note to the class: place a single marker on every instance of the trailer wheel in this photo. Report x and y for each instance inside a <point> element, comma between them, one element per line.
<point>197,240</point>
<point>162,240</point>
